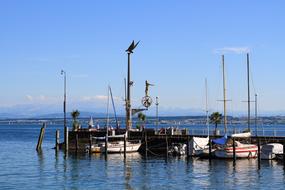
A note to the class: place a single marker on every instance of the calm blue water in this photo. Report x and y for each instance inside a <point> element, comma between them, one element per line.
<point>21,167</point>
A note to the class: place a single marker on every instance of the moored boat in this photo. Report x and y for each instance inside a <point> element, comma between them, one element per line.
<point>271,151</point>
<point>241,150</point>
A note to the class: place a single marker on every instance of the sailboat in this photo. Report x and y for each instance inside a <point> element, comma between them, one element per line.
<point>117,145</point>
<point>225,148</point>
<point>199,146</point>
<point>90,123</point>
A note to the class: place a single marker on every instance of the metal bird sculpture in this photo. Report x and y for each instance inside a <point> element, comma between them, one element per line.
<point>132,47</point>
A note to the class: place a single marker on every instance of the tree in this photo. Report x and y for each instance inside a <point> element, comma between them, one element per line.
<point>216,119</point>
<point>142,118</point>
<point>75,114</point>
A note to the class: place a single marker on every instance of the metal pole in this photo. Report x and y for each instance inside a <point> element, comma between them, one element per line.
<point>248,94</point>
<point>224,91</point>
<point>128,103</point>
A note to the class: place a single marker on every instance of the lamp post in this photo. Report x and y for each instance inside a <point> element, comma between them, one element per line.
<point>129,84</point>
<point>64,110</point>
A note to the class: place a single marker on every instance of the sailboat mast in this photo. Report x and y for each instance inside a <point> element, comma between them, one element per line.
<point>248,94</point>
<point>224,91</point>
<point>207,111</point>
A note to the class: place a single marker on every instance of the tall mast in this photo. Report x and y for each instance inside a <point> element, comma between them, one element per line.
<point>248,94</point>
<point>207,111</point>
<point>224,91</point>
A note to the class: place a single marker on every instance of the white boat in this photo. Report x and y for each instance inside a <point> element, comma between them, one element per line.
<point>271,150</point>
<point>118,147</point>
<point>241,150</point>
<point>242,135</point>
<point>115,146</point>
<point>199,146</point>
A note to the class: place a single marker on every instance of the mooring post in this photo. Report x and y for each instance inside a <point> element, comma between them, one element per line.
<point>234,152</point>
<point>210,148</point>
<point>125,146</point>
<point>166,140</point>
<point>187,147</point>
<point>90,143</point>
<point>258,152</point>
<point>66,144</point>
<point>76,142</point>
<point>145,140</point>
<point>57,140</point>
<point>106,145</point>
<point>41,136</point>
<point>284,154</point>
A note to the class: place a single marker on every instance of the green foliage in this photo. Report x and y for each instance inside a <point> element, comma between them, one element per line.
<point>75,114</point>
<point>216,119</point>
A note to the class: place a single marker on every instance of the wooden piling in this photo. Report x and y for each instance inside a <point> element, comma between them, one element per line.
<point>90,143</point>
<point>125,146</point>
<point>57,140</point>
<point>66,144</point>
<point>284,154</point>
<point>145,140</point>
<point>234,152</point>
<point>210,148</point>
<point>258,152</point>
<point>76,142</point>
<point>106,146</point>
<point>187,147</point>
<point>166,140</point>
<point>41,136</point>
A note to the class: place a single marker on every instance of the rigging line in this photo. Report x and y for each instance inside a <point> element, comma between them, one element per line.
<point>252,81</point>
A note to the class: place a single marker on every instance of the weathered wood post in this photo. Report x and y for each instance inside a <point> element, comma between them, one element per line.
<point>258,152</point>
<point>41,136</point>
<point>90,143</point>
<point>187,147</point>
<point>145,140</point>
<point>106,146</point>
<point>76,142</point>
<point>284,154</point>
<point>125,146</point>
<point>210,148</point>
<point>57,140</point>
<point>166,140</point>
<point>234,152</point>
<point>66,144</point>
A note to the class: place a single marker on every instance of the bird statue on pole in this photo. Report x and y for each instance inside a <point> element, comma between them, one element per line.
<point>132,47</point>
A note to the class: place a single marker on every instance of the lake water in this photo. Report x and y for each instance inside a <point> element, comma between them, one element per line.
<point>21,167</point>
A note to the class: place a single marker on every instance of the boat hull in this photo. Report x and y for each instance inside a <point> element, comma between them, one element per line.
<point>119,148</point>
<point>241,152</point>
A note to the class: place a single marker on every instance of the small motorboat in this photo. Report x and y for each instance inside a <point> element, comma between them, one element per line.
<point>271,151</point>
<point>225,149</point>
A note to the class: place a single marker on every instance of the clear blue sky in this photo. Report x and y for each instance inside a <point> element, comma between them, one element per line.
<point>181,44</point>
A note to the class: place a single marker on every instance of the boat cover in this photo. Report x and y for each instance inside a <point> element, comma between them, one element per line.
<point>220,141</point>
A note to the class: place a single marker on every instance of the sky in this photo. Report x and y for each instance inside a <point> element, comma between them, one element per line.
<point>181,43</point>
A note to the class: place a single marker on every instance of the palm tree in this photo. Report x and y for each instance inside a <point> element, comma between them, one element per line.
<point>75,114</point>
<point>142,118</point>
<point>216,119</point>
